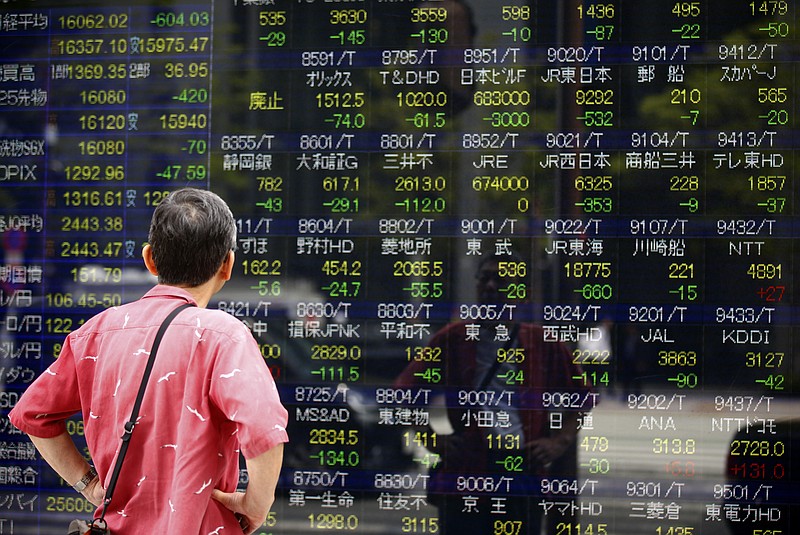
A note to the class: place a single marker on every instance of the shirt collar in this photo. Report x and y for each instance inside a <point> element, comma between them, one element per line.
<point>165,290</point>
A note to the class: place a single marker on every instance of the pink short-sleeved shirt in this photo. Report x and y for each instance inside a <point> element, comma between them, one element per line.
<point>210,396</point>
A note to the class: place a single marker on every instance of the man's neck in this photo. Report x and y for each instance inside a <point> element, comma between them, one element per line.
<point>202,294</point>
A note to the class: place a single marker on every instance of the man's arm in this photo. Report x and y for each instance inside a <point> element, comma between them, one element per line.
<point>61,454</point>
<point>252,506</point>
<point>545,450</point>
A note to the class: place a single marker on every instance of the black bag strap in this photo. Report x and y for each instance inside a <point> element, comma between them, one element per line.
<point>126,436</point>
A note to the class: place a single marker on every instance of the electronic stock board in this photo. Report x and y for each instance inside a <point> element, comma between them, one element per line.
<point>628,165</point>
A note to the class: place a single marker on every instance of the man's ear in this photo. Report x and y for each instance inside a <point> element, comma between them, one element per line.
<point>226,269</point>
<point>147,256</point>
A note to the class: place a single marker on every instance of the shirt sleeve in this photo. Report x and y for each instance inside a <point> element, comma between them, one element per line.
<point>242,387</point>
<point>562,371</point>
<point>52,398</point>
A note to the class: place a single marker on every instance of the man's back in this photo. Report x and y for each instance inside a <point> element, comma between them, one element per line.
<point>206,394</point>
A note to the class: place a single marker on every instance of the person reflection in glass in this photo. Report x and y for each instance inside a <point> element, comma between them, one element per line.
<point>497,375</point>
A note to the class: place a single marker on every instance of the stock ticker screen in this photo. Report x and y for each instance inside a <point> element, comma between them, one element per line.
<point>469,231</point>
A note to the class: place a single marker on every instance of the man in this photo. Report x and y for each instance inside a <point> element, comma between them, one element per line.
<point>496,374</point>
<point>209,397</point>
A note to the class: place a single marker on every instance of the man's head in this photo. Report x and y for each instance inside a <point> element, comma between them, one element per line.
<point>192,233</point>
<point>501,278</point>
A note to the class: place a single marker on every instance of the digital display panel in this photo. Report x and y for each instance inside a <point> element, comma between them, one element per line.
<point>512,263</point>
